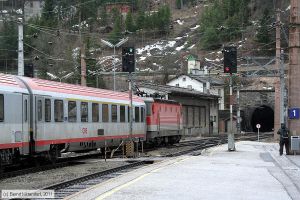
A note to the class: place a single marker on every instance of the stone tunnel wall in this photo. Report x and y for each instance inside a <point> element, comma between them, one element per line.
<point>252,99</point>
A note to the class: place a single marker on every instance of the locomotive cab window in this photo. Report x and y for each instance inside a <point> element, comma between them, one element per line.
<point>95,112</point>
<point>1,108</point>
<point>137,114</point>
<point>47,110</point>
<point>72,111</point>
<point>114,113</point>
<point>122,114</point>
<point>149,108</point>
<point>84,112</point>
<point>104,113</point>
<point>58,111</point>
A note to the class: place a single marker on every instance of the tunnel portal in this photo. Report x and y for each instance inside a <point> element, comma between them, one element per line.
<point>263,115</point>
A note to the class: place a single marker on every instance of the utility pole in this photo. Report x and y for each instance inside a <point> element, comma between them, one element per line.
<point>83,65</point>
<point>282,88</point>
<point>238,110</point>
<point>278,90</point>
<point>131,108</point>
<point>82,52</point>
<point>114,66</point>
<point>231,145</point>
<point>294,60</point>
<point>20,48</point>
<point>278,38</point>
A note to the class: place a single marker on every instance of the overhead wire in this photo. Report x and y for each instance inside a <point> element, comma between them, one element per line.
<point>47,55</point>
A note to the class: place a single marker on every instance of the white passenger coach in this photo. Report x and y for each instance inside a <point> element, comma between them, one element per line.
<point>44,118</point>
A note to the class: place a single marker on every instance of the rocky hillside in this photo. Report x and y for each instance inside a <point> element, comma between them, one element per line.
<point>164,33</point>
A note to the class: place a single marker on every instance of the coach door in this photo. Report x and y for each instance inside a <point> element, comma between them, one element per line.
<point>25,123</point>
<point>39,118</point>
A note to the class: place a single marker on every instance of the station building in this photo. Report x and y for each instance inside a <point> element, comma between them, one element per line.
<point>200,110</point>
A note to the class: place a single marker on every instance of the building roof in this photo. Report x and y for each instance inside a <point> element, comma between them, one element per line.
<point>171,90</point>
<point>191,58</point>
<point>204,79</point>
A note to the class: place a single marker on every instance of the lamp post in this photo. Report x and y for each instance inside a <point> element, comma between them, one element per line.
<point>52,76</point>
<point>114,47</point>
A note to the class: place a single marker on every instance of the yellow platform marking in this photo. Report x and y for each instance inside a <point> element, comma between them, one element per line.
<point>111,192</point>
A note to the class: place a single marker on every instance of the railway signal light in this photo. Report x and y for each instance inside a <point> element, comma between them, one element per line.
<point>128,60</point>
<point>230,60</point>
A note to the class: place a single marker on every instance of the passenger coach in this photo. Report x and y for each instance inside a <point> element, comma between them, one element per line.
<point>40,117</point>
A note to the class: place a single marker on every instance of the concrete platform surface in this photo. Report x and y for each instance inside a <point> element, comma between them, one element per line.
<point>254,172</point>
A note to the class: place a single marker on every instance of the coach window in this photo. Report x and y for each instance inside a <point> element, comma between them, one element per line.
<point>58,111</point>
<point>114,113</point>
<point>137,114</point>
<point>1,108</point>
<point>142,114</point>
<point>122,114</point>
<point>47,110</point>
<point>40,106</point>
<point>95,112</point>
<point>72,111</point>
<point>84,112</point>
<point>104,113</point>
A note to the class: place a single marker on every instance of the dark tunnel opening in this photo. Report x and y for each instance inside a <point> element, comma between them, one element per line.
<point>264,116</point>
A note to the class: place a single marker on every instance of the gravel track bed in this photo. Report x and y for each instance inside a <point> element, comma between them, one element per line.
<point>50,177</point>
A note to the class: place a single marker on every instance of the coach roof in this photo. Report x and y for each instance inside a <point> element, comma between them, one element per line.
<point>10,81</point>
<point>50,86</point>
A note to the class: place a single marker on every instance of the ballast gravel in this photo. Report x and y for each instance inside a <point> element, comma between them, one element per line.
<point>46,178</point>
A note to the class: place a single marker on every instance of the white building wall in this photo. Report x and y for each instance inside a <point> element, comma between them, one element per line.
<point>199,86</point>
<point>187,82</point>
<point>193,64</point>
<point>220,92</point>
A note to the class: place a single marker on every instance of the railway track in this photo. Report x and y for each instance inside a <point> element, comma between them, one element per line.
<point>196,145</point>
<point>201,144</point>
<point>61,162</point>
<point>70,187</point>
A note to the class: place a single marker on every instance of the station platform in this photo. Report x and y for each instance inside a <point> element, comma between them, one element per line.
<point>255,171</point>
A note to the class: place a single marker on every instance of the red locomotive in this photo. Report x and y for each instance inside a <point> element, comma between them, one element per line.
<point>164,121</point>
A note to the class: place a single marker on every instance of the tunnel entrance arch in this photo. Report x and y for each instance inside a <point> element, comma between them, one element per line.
<point>263,115</point>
